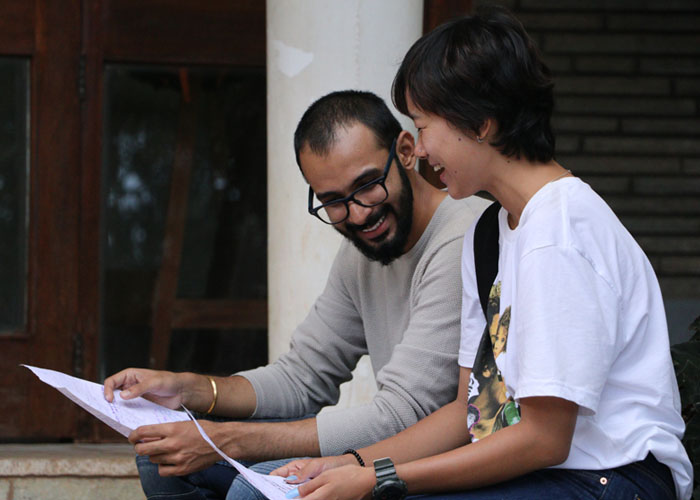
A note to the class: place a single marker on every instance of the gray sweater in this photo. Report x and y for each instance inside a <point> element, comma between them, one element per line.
<point>404,315</point>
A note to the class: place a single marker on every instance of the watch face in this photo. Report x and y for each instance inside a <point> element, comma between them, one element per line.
<point>390,490</point>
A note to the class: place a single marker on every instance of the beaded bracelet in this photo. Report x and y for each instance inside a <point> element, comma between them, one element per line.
<point>350,451</point>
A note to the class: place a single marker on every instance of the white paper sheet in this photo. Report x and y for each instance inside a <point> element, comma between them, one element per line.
<point>273,487</point>
<point>122,415</point>
<point>126,415</point>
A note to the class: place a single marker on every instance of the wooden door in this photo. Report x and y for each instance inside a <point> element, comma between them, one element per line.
<point>60,51</point>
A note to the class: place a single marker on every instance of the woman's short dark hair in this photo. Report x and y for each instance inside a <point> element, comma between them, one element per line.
<point>479,67</point>
<point>317,127</point>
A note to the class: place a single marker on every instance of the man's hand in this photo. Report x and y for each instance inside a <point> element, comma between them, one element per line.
<point>177,448</point>
<point>164,388</point>
<point>307,468</point>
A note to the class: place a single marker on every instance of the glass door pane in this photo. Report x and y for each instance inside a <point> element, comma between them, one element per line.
<point>14,169</point>
<point>224,253</point>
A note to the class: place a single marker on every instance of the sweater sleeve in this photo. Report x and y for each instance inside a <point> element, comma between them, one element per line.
<point>422,373</point>
<point>324,350</point>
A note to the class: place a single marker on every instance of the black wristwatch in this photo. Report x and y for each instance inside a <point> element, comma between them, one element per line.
<point>389,486</point>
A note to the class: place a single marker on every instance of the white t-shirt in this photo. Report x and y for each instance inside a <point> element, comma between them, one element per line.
<point>576,313</point>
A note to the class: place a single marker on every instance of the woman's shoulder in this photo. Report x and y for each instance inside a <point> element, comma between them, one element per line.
<point>569,213</point>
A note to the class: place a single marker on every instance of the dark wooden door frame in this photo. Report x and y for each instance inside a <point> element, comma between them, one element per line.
<point>44,32</point>
<point>55,199</point>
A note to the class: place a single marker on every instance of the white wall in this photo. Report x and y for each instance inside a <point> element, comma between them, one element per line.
<point>315,47</point>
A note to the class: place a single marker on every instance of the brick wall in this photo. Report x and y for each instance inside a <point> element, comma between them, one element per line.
<point>627,121</point>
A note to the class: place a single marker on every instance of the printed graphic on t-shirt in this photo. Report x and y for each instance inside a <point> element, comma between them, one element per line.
<point>490,406</point>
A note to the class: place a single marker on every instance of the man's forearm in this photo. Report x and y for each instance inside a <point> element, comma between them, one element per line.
<point>235,396</point>
<point>267,440</point>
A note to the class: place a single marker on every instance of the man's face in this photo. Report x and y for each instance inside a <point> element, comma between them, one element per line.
<point>379,232</point>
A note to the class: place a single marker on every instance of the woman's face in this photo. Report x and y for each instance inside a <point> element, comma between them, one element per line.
<point>458,157</point>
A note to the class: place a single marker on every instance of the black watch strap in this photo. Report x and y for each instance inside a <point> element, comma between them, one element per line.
<point>389,486</point>
<point>384,468</point>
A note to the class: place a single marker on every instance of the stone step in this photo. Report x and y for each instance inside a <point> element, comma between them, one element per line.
<point>68,472</point>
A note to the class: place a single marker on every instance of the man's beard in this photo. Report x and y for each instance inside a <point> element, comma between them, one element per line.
<point>387,250</point>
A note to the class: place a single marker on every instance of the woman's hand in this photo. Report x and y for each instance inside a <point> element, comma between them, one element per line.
<point>301,470</point>
<point>350,482</point>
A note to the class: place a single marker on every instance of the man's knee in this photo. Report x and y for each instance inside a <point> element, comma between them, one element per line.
<point>243,490</point>
<point>209,483</point>
<point>148,474</point>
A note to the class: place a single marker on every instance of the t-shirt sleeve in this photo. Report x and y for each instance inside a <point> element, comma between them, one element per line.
<point>472,322</point>
<point>567,319</point>
<point>422,373</point>
<point>324,350</point>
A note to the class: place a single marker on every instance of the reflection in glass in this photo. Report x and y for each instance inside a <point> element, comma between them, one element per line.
<point>14,161</point>
<point>224,247</point>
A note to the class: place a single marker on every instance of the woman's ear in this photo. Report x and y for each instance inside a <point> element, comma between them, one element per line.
<point>406,150</point>
<point>486,128</point>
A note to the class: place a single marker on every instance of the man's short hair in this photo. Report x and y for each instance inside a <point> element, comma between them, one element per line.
<point>479,67</point>
<point>319,124</point>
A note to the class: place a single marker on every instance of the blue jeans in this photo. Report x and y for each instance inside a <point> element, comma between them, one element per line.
<point>644,480</point>
<point>219,481</point>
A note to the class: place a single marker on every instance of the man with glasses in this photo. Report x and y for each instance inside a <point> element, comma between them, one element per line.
<point>394,292</point>
<point>332,208</point>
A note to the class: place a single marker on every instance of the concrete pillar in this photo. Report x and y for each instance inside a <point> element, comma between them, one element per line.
<point>315,47</point>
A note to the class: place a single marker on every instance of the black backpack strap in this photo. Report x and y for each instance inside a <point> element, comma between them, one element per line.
<point>486,252</point>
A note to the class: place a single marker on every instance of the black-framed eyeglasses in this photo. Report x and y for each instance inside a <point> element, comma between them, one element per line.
<point>369,195</point>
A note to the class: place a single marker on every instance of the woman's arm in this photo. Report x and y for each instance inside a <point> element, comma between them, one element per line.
<point>441,431</point>
<point>541,439</point>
